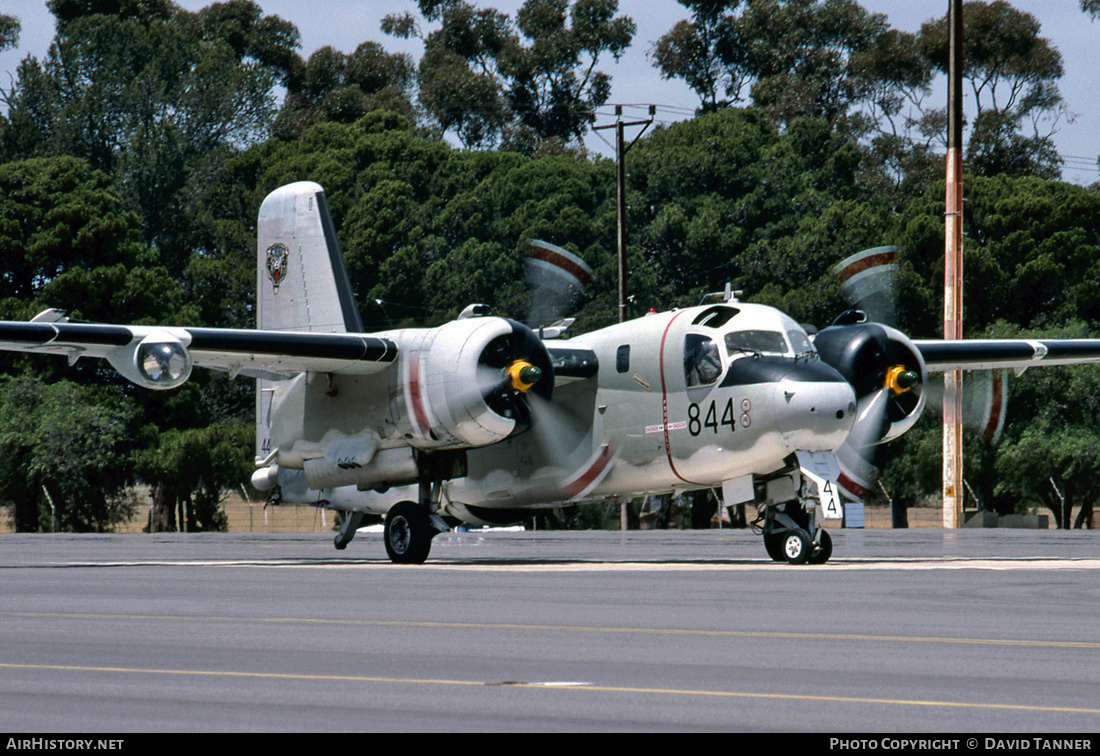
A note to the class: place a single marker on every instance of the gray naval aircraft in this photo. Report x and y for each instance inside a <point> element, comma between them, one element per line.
<point>483,421</point>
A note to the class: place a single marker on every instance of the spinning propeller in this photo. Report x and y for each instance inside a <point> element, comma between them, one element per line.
<point>512,368</point>
<point>883,366</point>
<point>556,281</point>
<point>880,368</point>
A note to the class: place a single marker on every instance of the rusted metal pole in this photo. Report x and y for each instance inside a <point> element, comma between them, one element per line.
<point>953,276</point>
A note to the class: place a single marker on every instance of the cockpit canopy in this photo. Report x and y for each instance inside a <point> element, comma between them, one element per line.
<point>748,331</point>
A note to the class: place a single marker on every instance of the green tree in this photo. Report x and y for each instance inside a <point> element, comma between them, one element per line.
<point>691,51</point>
<point>70,245</point>
<point>189,468</point>
<point>1029,254</point>
<point>9,31</point>
<point>726,197</point>
<point>66,449</point>
<point>332,86</point>
<point>480,80</point>
<point>799,58</point>
<point>1050,438</point>
<point>156,97</point>
<point>1013,77</point>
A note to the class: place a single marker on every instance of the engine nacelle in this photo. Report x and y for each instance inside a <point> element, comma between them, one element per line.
<point>470,382</point>
<point>160,361</point>
<point>871,356</point>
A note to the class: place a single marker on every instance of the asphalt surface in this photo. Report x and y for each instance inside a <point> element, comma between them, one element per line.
<point>919,631</point>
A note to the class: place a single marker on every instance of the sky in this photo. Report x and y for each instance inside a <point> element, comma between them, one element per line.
<point>344,24</point>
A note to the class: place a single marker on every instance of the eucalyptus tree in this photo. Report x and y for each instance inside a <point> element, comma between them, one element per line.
<point>155,96</point>
<point>9,31</point>
<point>793,58</point>
<point>1013,76</point>
<point>489,78</point>
<point>336,86</point>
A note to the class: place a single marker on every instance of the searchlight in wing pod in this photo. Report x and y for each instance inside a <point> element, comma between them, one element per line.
<point>159,361</point>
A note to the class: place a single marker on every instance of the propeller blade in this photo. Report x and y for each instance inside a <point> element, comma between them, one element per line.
<point>512,368</point>
<point>556,280</point>
<point>859,456</point>
<point>985,402</point>
<point>868,280</point>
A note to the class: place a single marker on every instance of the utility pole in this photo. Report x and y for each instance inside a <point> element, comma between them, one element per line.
<point>953,275</point>
<point>621,148</point>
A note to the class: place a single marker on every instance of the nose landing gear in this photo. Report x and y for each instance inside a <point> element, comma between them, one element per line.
<point>787,533</point>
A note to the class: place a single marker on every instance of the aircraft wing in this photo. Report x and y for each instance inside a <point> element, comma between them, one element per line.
<point>982,354</point>
<point>261,354</point>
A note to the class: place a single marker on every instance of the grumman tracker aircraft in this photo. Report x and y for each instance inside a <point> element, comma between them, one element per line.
<point>482,421</point>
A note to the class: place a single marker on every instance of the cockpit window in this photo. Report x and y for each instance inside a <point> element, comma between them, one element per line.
<point>702,362</point>
<point>799,343</point>
<point>756,342</point>
<point>715,317</point>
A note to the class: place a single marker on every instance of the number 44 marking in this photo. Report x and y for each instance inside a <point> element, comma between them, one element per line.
<point>830,500</point>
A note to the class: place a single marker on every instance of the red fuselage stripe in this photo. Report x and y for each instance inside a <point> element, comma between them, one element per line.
<point>664,403</point>
<point>420,415</point>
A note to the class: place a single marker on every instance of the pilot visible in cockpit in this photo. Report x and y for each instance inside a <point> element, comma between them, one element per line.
<point>702,363</point>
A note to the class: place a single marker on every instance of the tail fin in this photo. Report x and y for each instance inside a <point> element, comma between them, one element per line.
<point>301,281</point>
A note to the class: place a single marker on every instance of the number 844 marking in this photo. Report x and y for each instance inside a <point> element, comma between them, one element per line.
<point>698,421</point>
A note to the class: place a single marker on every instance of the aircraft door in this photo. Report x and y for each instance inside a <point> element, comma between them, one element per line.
<point>692,365</point>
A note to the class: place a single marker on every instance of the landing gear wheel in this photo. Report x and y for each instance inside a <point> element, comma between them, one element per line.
<point>796,546</point>
<point>408,533</point>
<point>773,544</point>
<point>824,551</point>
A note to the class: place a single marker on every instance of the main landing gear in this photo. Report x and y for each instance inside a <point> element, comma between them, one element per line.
<point>408,534</point>
<point>411,525</point>
<point>792,534</point>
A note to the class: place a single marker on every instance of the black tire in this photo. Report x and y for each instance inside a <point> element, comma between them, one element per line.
<point>796,546</point>
<point>408,533</point>
<point>773,544</point>
<point>823,553</point>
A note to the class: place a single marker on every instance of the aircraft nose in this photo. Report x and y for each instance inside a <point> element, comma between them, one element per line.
<point>815,407</point>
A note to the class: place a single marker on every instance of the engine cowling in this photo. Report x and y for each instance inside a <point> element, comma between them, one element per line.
<point>886,371</point>
<point>471,382</point>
